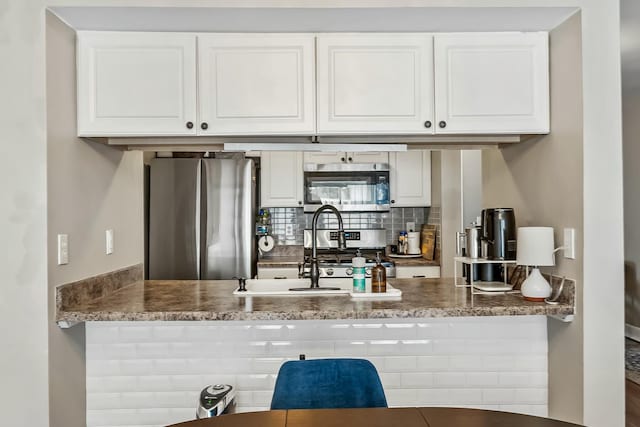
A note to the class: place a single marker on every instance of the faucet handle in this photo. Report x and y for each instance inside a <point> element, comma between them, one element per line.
<point>242,283</point>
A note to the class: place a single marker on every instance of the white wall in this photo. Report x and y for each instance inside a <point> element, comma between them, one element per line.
<point>23,200</point>
<point>630,13</point>
<point>471,185</point>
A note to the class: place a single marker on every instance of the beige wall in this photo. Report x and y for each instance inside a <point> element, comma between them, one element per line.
<point>23,204</point>
<point>90,188</point>
<point>543,180</point>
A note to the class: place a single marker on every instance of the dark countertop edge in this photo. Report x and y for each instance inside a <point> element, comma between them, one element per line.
<point>542,310</point>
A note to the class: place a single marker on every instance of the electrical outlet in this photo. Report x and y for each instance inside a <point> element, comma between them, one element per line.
<point>411,226</point>
<point>569,243</point>
<point>63,249</point>
<point>288,230</point>
<point>109,241</point>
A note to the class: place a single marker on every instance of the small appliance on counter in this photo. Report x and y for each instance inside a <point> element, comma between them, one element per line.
<point>499,234</point>
<point>492,237</point>
<point>215,400</point>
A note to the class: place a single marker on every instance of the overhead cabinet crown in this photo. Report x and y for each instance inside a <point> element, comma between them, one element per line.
<point>184,84</point>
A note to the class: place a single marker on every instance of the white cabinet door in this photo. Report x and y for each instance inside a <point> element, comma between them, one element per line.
<point>256,84</point>
<point>281,179</point>
<point>492,83</point>
<point>410,178</point>
<point>375,84</point>
<point>366,157</point>
<point>136,84</point>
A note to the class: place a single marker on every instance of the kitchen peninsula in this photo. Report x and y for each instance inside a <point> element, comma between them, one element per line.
<point>436,346</point>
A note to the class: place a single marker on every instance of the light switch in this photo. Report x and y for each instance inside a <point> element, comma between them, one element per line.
<point>63,249</point>
<point>569,243</point>
<point>109,241</point>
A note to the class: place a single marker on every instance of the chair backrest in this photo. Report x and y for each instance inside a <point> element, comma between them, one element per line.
<point>328,383</point>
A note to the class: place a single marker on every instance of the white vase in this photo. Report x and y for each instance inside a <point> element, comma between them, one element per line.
<point>536,287</point>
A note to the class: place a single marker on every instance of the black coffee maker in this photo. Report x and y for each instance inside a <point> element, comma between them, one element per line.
<point>498,241</point>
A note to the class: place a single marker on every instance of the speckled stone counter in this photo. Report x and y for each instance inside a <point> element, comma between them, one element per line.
<point>213,300</point>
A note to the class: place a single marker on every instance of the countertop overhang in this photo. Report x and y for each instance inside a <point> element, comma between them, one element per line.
<point>213,300</point>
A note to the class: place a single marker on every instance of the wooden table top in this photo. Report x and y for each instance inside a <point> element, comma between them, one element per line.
<point>377,417</point>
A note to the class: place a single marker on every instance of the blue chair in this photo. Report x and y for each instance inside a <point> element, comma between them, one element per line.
<point>328,383</point>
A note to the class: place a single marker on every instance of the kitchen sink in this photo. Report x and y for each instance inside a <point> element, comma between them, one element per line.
<point>281,287</point>
<point>278,287</point>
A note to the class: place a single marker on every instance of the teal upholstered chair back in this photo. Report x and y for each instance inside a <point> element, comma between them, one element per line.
<point>328,383</point>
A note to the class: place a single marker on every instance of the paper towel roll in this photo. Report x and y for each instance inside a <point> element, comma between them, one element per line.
<point>266,243</point>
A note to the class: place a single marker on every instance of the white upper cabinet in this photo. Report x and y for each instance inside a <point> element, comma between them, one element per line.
<point>346,157</point>
<point>375,84</point>
<point>132,84</point>
<point>410,178</point>
<point>491,83</point>
<point>256,84</point>
<point>281,179</point>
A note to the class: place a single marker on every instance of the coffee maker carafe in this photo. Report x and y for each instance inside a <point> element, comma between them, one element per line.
<point>499,234</point>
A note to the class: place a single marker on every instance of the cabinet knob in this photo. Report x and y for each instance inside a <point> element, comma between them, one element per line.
<point>204,126</point>
<point>342,159</point>
<point>393,201</point>
<point>300,202</point>
<point>189,125</point>
<point>427,124</point>
<point>350,159</point>
<point>442,124</point>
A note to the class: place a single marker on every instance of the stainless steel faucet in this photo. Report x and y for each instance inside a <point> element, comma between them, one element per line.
<point>342,242</point>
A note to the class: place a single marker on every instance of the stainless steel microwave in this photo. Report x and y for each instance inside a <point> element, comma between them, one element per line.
<point>350,187</point>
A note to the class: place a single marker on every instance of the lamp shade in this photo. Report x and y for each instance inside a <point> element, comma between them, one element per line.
<point>535,246</point>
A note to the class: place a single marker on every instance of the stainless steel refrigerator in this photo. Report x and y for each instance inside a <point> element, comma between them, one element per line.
<point>201,218</point>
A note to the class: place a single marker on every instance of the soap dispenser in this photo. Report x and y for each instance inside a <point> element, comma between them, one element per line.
<point>359,274</point>
<point>378,277</point>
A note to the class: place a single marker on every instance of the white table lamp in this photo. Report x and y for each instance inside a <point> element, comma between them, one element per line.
<point>535,248</point>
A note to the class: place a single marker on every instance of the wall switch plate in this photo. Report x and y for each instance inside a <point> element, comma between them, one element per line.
<point>109,241</point>
<point>411,226</point>
<point>569,243</point>
<point>63,249</point>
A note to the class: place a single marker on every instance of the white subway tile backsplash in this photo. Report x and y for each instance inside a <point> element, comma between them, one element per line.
<point>449,379</point>
<point>150,373</point>
<point>400,364</point>
<point>498,396</point>
<point>417,380</point>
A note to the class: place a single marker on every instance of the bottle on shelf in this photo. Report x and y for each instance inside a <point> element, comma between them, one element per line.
<point>378,277</point>
<point>382,191</point>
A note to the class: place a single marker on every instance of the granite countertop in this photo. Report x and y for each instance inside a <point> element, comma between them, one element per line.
<point>213,300</point>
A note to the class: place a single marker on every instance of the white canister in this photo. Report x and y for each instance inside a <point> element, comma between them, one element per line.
<point>413,243</point>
